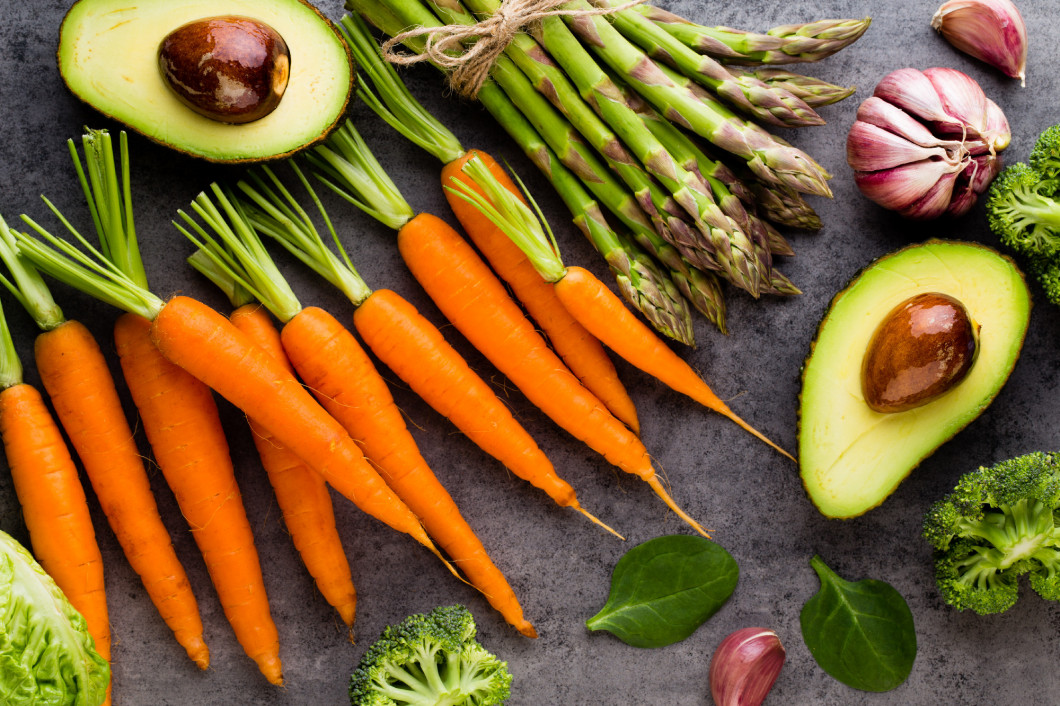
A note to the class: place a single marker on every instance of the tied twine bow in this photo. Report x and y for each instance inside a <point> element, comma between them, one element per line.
<point>468,51</point>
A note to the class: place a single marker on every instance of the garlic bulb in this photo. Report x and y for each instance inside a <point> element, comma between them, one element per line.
<point>926,143</point>
<point>990,30</point>
<point>745,666</point>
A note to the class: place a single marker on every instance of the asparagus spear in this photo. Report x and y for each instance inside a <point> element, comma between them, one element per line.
<point>693,107</point>
<point>768,103</point>
<point>814,91</point>
<point>787,44</point>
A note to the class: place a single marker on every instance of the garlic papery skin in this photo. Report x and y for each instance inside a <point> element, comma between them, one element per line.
<point>926,143</point>
<point>990,30</point>
<point>745,666</point>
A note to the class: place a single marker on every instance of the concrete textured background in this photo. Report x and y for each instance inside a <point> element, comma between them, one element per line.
<point>559,564</point>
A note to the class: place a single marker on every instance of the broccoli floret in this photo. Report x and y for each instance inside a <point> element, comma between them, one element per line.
<point>998,523</point>
<point>1045,155</point>
<point>1023,212</point>
<point>430,659</point>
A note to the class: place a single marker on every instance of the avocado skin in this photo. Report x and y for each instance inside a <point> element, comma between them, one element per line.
<point>220,7</point>
<point>851,509</point>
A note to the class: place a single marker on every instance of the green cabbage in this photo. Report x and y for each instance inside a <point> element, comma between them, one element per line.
<point>46,654</point>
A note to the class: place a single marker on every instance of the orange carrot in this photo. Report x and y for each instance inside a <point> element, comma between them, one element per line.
<point>444,264</point>
<point>301,492</point>
<point>406,341</point>
<point>580,350</point>
<point>212,349</point>
<point>54,506</point>
<point>208,346</point>
<point>624,333</point>
<point>345,381</point>
<point>182,424</point>
<point>78,381</point>
<point>590,301</point>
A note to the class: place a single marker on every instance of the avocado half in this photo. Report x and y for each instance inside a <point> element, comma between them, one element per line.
<point>108,58</point>
<point>850,457</point>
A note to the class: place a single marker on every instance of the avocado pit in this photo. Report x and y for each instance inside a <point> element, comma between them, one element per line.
<point>921,350</point>
<point>230,68</point>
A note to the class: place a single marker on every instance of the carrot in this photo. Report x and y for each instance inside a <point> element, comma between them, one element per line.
<point>451,273</point>
<point>53,501</point>
<point>300,491</point>
<point>603,313</point>
<point>341,375</point>
<point>402,338</point>
<point>580,350</point>
<point>589,300</point>
<point>182,424</point>
<point>181,421</point>
<point>78,380</point>
<point>392,101</point>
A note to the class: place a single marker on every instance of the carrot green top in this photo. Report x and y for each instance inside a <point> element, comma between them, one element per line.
<point>232,255</point>
<point>113,272</point>
<point>346,165</point>
<point>10,365</point>
<point>275,212</point>
<point>527,228</point>
<point>393,102</point>
<point>25,283</point>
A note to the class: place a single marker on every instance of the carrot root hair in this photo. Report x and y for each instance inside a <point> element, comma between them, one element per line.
<point>657,486</point>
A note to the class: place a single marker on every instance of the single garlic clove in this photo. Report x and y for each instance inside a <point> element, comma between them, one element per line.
<point>990,30</point>
<point>912,91</point>
<point>984,168</point>
<point>900,188</point>
<point>935,202</point>
<point>871,148</point>
<point>964,197</point>
<point>961,98</point>
<point>745,666</point>
<point>878,112</point>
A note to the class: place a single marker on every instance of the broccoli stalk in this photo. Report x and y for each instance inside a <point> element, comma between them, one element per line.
<point>1023,210</point>
<point>998,523</point>
<point>430,659</point>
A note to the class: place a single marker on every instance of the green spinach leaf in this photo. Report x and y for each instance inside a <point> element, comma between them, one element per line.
<point>859,632</point>
<point>665,588</point>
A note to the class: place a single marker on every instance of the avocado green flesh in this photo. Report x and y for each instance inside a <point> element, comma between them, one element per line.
<point>108,56</point>
<point>851,458</point>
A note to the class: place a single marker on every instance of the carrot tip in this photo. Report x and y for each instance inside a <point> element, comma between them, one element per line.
<point>728,413</point>
<point>597,521</point>
<point>527,629</point>
<point>656,485</point>
<point>199,654</point>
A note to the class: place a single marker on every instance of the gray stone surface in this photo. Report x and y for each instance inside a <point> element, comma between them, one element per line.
<point>559,564</point>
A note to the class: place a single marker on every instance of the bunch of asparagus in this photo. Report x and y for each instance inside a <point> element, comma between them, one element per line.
<point>649,116</point>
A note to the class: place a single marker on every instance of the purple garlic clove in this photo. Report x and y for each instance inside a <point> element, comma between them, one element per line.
<point>745,666</point>
<point>990,30</point>
<point>961,98</point>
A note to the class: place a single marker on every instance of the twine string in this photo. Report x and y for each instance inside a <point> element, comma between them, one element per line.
<point>468,51</point>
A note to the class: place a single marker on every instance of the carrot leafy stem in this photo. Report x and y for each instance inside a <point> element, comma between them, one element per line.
<point>394,102</point>
<point>230,243</point>
<point>346,165</point>
<point>25,283</point>
<point>274,211</point>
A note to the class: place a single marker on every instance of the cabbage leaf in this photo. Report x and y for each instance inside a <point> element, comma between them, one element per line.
<point>47,656</point>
